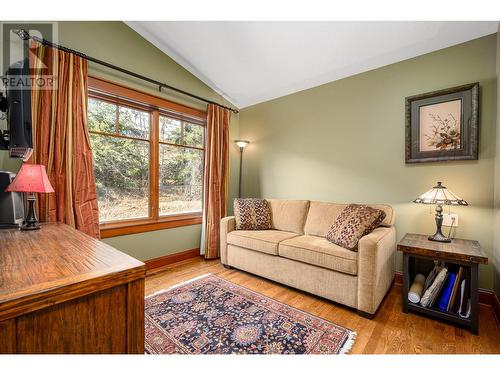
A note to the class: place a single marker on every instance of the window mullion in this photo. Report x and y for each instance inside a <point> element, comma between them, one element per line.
<point>117,120</point>
<point>182,133</point>
<point>154,162</point>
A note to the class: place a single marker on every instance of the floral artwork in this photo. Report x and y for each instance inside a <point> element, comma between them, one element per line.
<point>440,126</point>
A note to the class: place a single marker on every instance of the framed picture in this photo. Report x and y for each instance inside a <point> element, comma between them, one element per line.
<point>443,125</point>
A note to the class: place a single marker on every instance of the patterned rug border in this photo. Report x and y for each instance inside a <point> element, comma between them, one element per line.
<point>346,345</point>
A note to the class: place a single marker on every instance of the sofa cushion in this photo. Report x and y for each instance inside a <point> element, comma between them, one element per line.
<point>252,214</point>
<point>265,241</point>
<point>289,215</point>
<point>319,252</point>
<point>321,215</point>
<point>354,222</point>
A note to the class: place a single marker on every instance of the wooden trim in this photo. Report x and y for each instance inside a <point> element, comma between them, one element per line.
<point>486,297</point>
<point>118,101</point>
<point>142,97</point>
<point>398,278</point>
<point>496,309</point>
<point>138,226</point>
<point>183,118</point>
<point>489,298</point>
<point>155,263</point>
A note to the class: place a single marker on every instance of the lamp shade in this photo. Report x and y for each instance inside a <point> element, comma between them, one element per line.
<point>31,178</point>
<point>241,143</point>
<point>439,194</point>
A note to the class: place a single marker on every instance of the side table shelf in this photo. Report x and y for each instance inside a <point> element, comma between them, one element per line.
<point>419,255</point>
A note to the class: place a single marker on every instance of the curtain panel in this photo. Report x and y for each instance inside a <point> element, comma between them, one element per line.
<point>216,180</point>
<point>61,140</point>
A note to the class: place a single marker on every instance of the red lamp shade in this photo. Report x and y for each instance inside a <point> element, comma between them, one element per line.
<point>31,178</point>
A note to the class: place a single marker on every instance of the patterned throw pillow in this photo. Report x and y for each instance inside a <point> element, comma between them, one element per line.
<point>354,222</point>
<point>252,214</point>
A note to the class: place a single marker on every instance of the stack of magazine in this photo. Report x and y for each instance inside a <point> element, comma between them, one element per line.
<point>447,288</point>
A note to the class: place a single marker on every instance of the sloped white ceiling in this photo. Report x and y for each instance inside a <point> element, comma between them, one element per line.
<point>252,62</point>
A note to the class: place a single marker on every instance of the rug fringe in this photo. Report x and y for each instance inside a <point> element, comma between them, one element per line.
<point>351,338</point>
<point>178,285</point>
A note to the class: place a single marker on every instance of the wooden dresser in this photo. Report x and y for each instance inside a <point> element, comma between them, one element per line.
<point>62,291</point>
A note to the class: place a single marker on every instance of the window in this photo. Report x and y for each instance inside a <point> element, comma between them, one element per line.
<point>148,160</point>
<point>120,143</point>
<point>181,166</point>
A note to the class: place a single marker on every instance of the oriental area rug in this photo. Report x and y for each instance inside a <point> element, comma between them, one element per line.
<point>210,315</point>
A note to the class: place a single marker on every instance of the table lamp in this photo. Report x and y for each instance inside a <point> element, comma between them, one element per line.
<point>440,195</point>
<point>31,179</point>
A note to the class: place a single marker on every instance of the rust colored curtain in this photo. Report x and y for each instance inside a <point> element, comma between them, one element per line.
<point>216,178</point>
<point>61,140</point>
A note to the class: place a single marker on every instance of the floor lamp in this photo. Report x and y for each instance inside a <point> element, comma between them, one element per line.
<point>241,144</point>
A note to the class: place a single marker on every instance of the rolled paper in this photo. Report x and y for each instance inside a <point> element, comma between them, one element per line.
<point>416,289</point>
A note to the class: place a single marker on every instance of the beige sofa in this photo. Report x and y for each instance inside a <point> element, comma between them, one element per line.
<point>296,253</point>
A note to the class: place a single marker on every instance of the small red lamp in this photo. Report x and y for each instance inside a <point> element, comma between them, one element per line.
<point>31,179</point>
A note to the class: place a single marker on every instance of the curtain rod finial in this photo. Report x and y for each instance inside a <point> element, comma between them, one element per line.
<point>21,33</point>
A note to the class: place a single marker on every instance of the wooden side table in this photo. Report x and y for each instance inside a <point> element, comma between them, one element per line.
<point>418,256</point>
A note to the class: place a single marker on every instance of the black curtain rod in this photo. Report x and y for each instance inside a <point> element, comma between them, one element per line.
<point>24,35</point>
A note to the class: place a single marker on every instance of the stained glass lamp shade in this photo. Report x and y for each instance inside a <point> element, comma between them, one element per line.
<point>440,195</point>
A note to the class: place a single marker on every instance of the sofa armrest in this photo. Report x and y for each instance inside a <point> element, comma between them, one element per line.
<point>227,224</point>
<point>375,267</point>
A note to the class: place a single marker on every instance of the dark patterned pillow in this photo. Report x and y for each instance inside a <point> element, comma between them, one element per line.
<point>252,214</point>
<point>354,222</point>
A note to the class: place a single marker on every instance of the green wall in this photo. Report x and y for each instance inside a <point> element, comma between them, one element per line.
<point>344,142</point>
<point>116,43</point>
<point>496,221</point>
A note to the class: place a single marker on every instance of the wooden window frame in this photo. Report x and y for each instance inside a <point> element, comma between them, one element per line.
<point>117,94</point>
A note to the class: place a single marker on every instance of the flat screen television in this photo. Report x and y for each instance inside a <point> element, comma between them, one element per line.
<point>17,105</point>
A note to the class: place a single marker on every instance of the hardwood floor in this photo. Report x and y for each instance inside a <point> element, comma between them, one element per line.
<point>390,332</point>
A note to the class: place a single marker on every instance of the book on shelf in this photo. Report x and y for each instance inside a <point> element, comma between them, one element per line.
<point>465,307</point>
<point>454,300</point>
<point>446,294</point>
<point>432,275</point>
<point>439,291</point>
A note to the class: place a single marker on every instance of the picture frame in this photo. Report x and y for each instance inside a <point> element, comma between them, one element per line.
<point>443,125</point>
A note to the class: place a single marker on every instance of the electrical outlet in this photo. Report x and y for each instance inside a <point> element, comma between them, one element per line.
<point>448,220</point>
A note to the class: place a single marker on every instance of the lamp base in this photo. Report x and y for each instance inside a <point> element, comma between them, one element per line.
<point>31,223</point>
<point>30,226</point>
<point>439,237</point>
